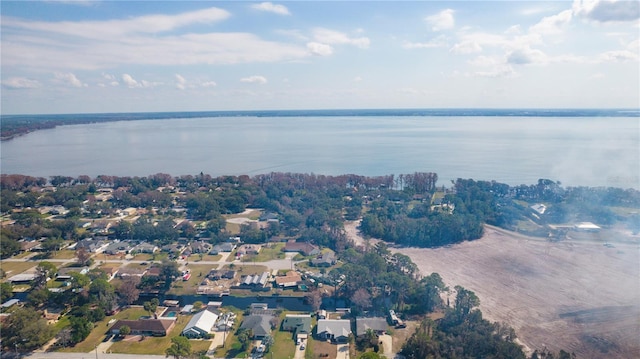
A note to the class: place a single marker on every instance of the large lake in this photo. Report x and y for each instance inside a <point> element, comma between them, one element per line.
<point>592,151</point>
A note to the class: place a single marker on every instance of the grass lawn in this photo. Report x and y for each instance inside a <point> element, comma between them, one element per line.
<point>152,345</point>
<point>198,272</point>
<point>320,347</point>
<point>100,330</point>
<point>231,348</point>
<point>205,258</point>
<point>22,255</point>
<point>13,268</point>
<point>267,254</point>
<point>64,254</point>
<point>200,345</point>
<point>232,228</point>
<point>250,269</point>
<point>283,345</point>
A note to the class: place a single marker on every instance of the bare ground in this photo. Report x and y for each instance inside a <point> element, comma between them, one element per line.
<point>575,295</point>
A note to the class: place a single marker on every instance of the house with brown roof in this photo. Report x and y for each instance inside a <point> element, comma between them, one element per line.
<point>152,327</point>
<point>290,280</point>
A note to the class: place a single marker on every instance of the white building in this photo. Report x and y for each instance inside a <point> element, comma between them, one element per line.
<point>200,325</point>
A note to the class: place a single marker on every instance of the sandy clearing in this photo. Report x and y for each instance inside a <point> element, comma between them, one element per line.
<point>580,297</point>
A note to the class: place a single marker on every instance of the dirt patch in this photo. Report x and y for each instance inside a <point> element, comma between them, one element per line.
<point>401,335</point>
<point>323,349</point>
<point>582,297</point>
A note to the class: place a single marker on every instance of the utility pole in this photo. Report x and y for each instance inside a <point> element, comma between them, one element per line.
<point>96,351</point>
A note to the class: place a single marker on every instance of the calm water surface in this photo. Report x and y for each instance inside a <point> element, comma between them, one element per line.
<point>594,151</point>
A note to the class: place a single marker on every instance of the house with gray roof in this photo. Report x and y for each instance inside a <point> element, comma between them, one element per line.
<point>200,324</point>
<point>259,324</point>
<point>336,330</point>
<point>298,324</point>
<point>377,324</point>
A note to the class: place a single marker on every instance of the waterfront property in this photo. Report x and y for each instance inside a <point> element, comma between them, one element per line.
<point>200,325</point>
<point>378,325</point>
<point>336,330</point>
<point>152,327</point>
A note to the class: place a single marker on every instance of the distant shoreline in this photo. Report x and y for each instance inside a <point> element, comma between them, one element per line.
<point>17,125</point>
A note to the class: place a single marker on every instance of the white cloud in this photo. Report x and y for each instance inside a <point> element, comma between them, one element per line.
<point>271,7</point>
<point>439,41</point>
<point>513,30</point>
<point>466,47</point>
<point>498,71</point>
<point>129,81</point>
<point>634,45</point>
<point>181,82</point>
<point>91,45</point>
<point>68,79</point>
<point>110,78</point>
<point>333,37</point>
<point>618,56</point>
<point>209,84</point>
<point>607,10</point>
<point>147,24</point>
<point>319,49</point>
<point>441,21</point>
<point>21,83</point>
<point>552,25</point>
<point>254,79</point>
<point>357,79</point>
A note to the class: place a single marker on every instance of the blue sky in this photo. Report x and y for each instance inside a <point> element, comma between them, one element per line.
<point>130,56</point>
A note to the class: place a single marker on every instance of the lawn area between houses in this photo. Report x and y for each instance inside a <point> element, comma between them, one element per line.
<point>100,330</point>
<point>12,268</point>
<point>283,345</point>
<point>154,345</point>
<point>267,253</point>
<point>198,273</point>
<point>64,254</point>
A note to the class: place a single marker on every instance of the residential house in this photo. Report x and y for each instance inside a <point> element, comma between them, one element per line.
<point>118,248</point>
<point>304,248</point>
<point>255,281</point>
<point>92,245</point>
<point>27,246</point>
<point>259,325</point>
<point>377,324</point>
<point>153,327</point>
<point>326,259</point>
<point>226,320</point>
<point>292,279</point>
<point>249,249</point>
<point>200,325</point>
<point>145,247</point>
<point>197,247</point>
<point>65,272</point>
<point>223,247</point>
<point>299,324</point>
<point>130,271</point>
<point>336,330</point>
<point>216,274</point>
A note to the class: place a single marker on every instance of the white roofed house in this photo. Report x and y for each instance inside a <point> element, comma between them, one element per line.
<point>200,325</point>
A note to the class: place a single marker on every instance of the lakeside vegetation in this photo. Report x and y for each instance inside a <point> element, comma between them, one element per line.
<point>409,210</point>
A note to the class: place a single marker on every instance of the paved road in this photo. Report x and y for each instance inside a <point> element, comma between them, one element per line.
<point>343,351</point>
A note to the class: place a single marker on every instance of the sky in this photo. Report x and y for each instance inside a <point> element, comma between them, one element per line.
<point>142,56</point>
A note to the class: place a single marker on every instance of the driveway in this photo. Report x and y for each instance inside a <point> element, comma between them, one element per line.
<point>387,345</point>
<point>299,354</point>
<point>218,339</point>
<point>343,351</point>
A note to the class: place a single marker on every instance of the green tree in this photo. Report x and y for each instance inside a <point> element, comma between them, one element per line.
<point>124,330</point>
<point>80,328</point>
<point>151,306</point>
<point>26,328</point>
<point>197,305</point>
<point>83,256</point>
<point>180,347</point>
<point>6,291</point>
